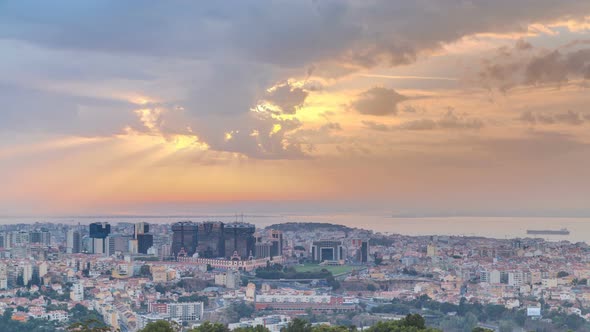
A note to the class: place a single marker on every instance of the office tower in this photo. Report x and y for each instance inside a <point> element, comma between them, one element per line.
<point>21,238</point>
<point>98,234</point>
<point>100,230</point>
<point>73,242</point>
<point>184,238</point>
<point>365,252</point>
<point>144,242</point>
<point>360,250</point>
<point>165,251</point>
<point>327,251</point>
<point>263,249</point>
<point>239,240</point>
<point>141,228</point>
<point>6,240</point>
<point>116,243</point>
<point>210,239</point>
<point>42,237</point>
<point>133,247</point>
<point>276,239</point>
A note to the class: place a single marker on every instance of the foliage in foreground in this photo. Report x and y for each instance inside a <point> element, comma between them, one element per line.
<point>411,323</point>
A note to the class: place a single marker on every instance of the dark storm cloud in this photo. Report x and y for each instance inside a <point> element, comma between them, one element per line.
<point>378,101</point>
<point>286,96</point>
<point>526,66</point>
<point>449,120</point>
<point>244,47</point>
<point>288,33</point>
<point>568,118</point>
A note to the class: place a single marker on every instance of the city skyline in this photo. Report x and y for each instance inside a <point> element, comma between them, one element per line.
<point>430,108</point>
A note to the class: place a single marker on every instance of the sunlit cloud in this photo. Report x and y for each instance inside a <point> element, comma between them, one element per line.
<point>416,103</point>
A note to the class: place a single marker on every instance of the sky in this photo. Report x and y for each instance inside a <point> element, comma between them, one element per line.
<point>414,108</point>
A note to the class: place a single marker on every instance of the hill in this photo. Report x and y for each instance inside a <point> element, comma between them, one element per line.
<point>310,226</point>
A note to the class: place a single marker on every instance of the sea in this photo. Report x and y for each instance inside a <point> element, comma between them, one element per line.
<point>493,227</point>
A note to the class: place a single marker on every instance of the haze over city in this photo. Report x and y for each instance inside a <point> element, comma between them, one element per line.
<point>294,166</point>
<point>409,108</point>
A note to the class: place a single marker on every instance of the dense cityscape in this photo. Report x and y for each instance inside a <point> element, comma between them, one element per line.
<point>294,166</point>
<point>127,275</point>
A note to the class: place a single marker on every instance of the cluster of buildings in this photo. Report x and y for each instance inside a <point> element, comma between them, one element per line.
<point>135,273</point>
<point>218,240</point>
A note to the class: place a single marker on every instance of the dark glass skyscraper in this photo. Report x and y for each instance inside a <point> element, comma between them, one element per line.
<point>144,242</point>
<point>184,238</point>
<point>276,239</point>
<point>100,230</point>
<point>239,238</point>
<point>98,234</point>
<point>210,239</point>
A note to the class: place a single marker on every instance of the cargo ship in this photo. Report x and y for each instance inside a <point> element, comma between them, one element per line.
<point>563,231</point>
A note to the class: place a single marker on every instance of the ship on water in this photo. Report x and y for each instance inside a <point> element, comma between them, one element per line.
<point>563,231</point>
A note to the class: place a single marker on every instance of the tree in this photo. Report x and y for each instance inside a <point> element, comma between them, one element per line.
<point>481,329</point>
<point>562,274</point>
<point>258,328</point>
<point>161,326</point>
<point>506,326</point>
<point>145,271</point>
<point>327,328</point>
<point>378,259</point>
<point>160,289</point>
<point>89,326</point>
<point>298,325</point>
<point>210,327</point>
<point>414,320</point>
<point>239,310</point>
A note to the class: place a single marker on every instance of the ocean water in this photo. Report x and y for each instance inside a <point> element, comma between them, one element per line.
<point>495,227</point>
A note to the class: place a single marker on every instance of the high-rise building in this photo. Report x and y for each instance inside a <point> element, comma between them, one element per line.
<point>6,240</point>
<point>42,237</point>
<point>117,243</point>
<point>365,252</point>
<point>210,239</point>
<point>263,249</point>
<point>100,230</point>
<point>239,240</point>
<point>43,269</point>
<point>73,242</point>
<point>144,241</point>
<point>359,250</point>
<point>27,273</point>
<point>21,238</point>
<point>141,228</point>
<point>327,250</point>
<point>276,239</point>
<point>98,234</point>
<point>184,238</point>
